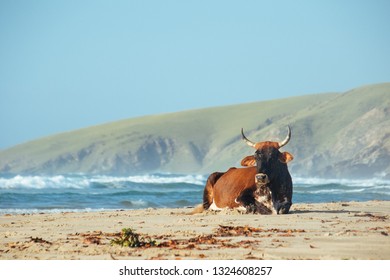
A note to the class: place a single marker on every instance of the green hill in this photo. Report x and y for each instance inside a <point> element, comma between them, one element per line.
<point>333,135</point>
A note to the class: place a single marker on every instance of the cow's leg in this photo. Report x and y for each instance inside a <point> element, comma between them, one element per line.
<point>208,195</point>
<point>262,208</point>
<point>247,200</point>
<point>284,207</point>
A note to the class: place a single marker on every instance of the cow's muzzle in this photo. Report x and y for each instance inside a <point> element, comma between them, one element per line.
<point>261,178</point>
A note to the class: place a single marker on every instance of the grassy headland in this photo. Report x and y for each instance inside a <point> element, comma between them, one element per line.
<point>333,135</point>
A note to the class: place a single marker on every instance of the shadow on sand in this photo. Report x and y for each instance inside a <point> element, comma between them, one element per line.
<point>305,211</point>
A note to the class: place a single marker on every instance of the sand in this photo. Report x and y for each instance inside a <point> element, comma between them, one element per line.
<point>326,231</point>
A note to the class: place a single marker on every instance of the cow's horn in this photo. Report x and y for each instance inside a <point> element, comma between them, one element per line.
<point>287,139</point>
<point>250,143</point>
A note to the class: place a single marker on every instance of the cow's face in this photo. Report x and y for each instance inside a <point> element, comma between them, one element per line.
<point>271,165</point>
<point>267,159</point>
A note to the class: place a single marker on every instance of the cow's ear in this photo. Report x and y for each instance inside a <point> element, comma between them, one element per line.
<point>285,157</point>
<point>248,161</point>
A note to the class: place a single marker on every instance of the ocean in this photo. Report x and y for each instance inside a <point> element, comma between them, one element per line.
<point>78,192</point>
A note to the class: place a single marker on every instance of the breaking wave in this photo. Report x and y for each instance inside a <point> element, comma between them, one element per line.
<point>84,181</point>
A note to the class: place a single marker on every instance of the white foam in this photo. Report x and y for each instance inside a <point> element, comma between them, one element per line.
<point>153,179</point>
<point>335,191</point>
<point>41,182</point>
<point>50,211</point>
<point>79,182</point>
<point>374,182</point>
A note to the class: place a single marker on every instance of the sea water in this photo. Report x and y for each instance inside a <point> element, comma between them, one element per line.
<point>79,192</point>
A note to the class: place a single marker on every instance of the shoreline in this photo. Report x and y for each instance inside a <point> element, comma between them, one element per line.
<point>326,231</point>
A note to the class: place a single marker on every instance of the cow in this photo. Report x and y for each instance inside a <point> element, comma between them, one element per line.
<point>263,186</point>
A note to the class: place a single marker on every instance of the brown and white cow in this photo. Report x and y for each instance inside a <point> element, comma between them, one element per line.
<point>263,187</point>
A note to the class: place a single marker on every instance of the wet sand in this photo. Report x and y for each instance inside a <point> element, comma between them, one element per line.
<point>326,231</point>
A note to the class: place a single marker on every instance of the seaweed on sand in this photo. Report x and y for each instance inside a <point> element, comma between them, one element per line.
<point>129,238</point>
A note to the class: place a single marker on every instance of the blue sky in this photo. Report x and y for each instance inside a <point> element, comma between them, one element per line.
<point>65,65</point>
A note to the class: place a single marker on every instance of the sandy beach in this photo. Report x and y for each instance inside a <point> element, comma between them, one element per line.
<point>327,231</point>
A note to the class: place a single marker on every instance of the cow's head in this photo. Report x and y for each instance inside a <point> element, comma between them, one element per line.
<point>272,170</point>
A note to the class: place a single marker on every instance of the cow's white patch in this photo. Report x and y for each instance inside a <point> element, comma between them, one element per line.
<point>241,208</point>
<point>263,199</point>
<point>214,207</point>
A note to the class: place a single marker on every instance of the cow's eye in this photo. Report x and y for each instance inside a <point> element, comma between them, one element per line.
<point>259,155</point>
